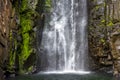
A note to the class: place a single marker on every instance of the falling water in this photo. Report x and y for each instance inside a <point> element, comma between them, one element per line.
<point>64,40</point>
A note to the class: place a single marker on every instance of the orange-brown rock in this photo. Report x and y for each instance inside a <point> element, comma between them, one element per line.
<point>5,18</point>
<point>104,43</point>
<point>115,46</point>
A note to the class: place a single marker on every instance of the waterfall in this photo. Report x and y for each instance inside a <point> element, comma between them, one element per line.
<point>64,44</point>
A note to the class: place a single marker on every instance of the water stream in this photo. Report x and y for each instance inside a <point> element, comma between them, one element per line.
<point>94,76</point>
<point>64,44</point>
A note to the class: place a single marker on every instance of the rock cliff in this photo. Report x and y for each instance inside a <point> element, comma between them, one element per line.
<point>104,32</point>
<point>5,20</point>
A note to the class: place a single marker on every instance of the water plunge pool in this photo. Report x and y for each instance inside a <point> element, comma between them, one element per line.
<point>68,76</point>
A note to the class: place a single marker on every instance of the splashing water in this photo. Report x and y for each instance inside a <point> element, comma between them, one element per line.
<point>64,39</point>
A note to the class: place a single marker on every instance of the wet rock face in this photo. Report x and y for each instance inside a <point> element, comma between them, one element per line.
<point>104,33</point>
<point>115,46</point>
<point>5,14</point>
<point>1,74</point>
<point>98,45</point>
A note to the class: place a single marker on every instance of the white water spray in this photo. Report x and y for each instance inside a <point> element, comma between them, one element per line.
<point>64,39</point>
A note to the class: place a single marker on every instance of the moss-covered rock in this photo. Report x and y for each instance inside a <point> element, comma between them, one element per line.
<point>22,35</point>
<point>103,21</point>
<point>27,15</point>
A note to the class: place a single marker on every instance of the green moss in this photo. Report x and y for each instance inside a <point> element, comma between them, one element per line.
<point>12,60</point>
<point>24,5</point>
<point>21,41</point>
<point>13,52</point>
<point>26,23</point>
<point>23,48</point>
<point>26,26</point>
<point>102,40</point>
<point>110,23</point>
<point>97,7</point>
<point>48,5</point>
<point>30,68</point>
<point>103,21</point>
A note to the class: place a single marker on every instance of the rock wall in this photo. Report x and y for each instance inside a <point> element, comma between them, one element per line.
<point>5,18</point>
<point>17,36</point>
<point>104,25</point>
<point>104,33</point>
<point>22,37</point>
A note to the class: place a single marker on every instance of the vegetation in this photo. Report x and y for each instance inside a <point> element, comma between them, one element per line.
<point>103,23</point>
<point>21,50</point>
<point>24,47</point>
